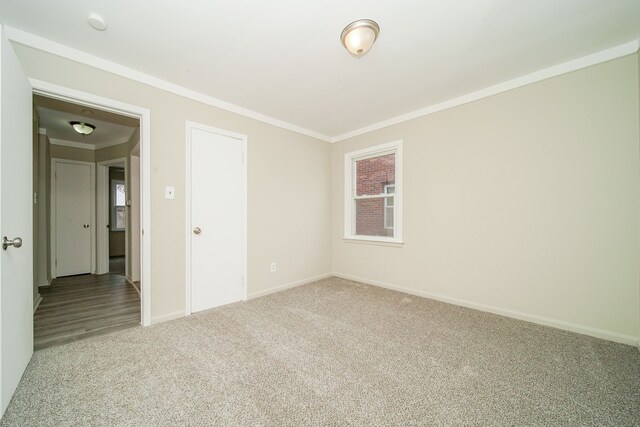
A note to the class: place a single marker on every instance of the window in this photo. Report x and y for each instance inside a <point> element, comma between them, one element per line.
<point>388,206</point>
<point>373,193</point>
<point>119,200</point>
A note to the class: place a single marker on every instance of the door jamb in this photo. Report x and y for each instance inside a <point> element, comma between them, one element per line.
<point>103,189</point>
<point>54,224</point>
<point>243,140</point>
<point>144,115</point>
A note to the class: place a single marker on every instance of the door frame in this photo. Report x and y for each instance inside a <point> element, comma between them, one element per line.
<point>144,115</point>
<point>102,200</point>
<point>54,201</point>
<point>242,139</point>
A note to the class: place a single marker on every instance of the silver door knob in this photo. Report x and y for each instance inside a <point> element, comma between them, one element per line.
<point>16,243</point>
<point>197,230</point>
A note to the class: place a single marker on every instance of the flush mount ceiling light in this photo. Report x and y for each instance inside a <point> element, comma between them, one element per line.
<point>82,128</point>
<point>359,36</point>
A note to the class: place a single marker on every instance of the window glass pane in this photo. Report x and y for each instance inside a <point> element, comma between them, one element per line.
<point>371,219</point>
<point>120,196</point>
<point>388,218</point>
<point>372,175</point>
<point>120,217</point>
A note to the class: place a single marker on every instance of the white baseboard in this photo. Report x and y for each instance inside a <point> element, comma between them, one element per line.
<point>36,303</point>
<point>166,317</point>
<point>559,324</point>
<point>133,284</point>
<point>290,285</point>
<point>47,283</point>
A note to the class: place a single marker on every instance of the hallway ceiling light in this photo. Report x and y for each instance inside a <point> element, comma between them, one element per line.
<point>82,128</point>
<point>359,36</point>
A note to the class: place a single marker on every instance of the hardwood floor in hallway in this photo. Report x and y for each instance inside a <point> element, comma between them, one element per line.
<point>77,307</point>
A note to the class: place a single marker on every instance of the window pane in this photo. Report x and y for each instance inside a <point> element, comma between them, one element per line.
<point>388,218</point>
<point>121,221</point>
<point>372,175</point>
<point>120,196</point>
<point>370,218</point>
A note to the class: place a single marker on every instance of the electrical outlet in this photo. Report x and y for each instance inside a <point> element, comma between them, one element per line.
<point>274,267</point>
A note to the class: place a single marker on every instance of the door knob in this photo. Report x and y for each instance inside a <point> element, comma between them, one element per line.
<point>197,230</point>
<point>85,225</point>
<point>16,243</point>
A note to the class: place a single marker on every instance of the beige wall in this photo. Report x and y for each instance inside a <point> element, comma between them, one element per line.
<point>527,202</point>
<point>288,183</point>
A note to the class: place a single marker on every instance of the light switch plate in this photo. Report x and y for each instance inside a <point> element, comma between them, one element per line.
<point>169,192</point>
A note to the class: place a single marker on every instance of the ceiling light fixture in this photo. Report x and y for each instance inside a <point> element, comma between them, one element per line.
<point>82,128</point>
<point>359,36</point>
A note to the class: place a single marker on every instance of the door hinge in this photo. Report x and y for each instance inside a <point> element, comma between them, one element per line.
<point>56,262</point>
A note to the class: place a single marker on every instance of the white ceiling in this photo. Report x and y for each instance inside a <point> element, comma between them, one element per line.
<point>55,115</point>
<point>284,59</point>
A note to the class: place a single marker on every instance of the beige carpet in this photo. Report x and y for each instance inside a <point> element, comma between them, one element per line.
<point>333,353</point>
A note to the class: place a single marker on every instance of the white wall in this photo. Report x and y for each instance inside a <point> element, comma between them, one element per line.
<point>526,203</point>
<point>288,184</point>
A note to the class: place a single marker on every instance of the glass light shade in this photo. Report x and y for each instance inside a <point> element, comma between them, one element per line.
<point>82,128</point>
<point>359,36</point>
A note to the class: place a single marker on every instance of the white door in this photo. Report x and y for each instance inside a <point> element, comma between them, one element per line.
<point>73,218</point>
<point>217,197</point>
<point>16,271</point>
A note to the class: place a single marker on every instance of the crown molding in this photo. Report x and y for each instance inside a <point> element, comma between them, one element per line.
<point>537,76</point>
<point>83,146</point>
<point>46,45</point>
<point>40,43</point>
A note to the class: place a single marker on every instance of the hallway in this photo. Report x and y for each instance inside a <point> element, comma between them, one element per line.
<point>77,307</point>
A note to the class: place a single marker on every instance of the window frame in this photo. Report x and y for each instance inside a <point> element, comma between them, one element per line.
<point>114,206</point>
<point>386,206</point>
<point>350,197</point>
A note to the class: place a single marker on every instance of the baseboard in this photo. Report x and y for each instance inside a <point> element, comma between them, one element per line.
<point>130,281</point>
<point>45,284</point>
<point>290,285</point>
<point>36,303</point>
<point>167,317</point>
<point>567,326</point>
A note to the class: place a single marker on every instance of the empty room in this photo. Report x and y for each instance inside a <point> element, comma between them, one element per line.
<point>320,213</point>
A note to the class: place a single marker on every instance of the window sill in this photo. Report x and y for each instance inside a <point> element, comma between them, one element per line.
<point>391,244</point>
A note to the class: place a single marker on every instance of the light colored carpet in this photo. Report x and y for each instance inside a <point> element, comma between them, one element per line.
<point>333,352</point>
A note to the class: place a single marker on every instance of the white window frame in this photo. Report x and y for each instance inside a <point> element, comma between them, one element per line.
<point>350,198</point>
<point>386,206</point>
<point>114,207</point>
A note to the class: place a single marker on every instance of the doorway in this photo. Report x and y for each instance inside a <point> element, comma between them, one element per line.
<point>141,153</point>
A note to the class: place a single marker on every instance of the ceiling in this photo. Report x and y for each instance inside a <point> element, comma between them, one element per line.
<point>55,115</point>
<point>284,59</point>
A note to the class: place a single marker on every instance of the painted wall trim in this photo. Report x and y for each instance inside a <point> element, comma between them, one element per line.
<point>46,45</point>
<point>289,285</point>
<point>537,76</point>
<point>40,43</point>
<point>82,146</point>
<point>559,324</point>
<point>167,317</point>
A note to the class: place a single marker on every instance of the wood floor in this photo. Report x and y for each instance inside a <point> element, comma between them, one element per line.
<point>77,307</point>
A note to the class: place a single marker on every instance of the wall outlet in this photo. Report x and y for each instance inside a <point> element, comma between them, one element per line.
<point>274,267</point>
